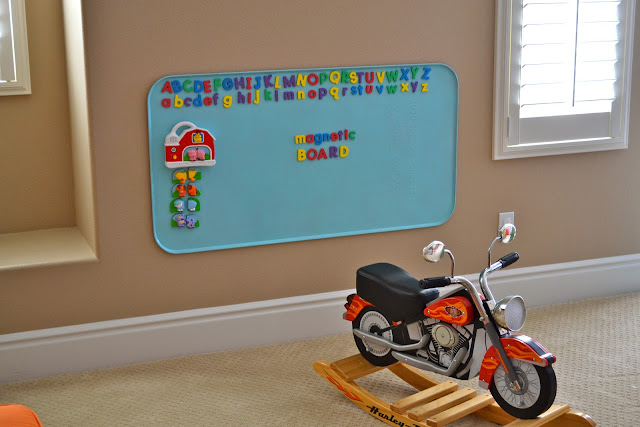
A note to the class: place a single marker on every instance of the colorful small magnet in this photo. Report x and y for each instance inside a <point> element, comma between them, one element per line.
<point>197,154</point>
<point>192,221</point>
<point>179,221</point>
<point>193,205</point>
<point>180,176</point>
<point>179,190</point>
<point>194,174</point>
<point>191,155</point>
<point>192,190</point>
<point>177,205</point>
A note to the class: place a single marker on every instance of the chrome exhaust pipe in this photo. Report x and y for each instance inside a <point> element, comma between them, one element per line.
<point>377,339</point>
<point>427,365</point>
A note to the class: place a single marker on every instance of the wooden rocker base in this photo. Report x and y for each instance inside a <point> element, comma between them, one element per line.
<point>436,403</point>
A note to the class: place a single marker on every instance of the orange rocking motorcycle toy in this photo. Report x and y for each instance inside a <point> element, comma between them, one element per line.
<point>444,325</point>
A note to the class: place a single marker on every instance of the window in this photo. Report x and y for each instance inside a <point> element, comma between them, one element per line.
<point>562,76</point>
<point>14,54</point>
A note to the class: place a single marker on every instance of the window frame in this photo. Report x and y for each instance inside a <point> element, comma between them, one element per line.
<point>22,83</point>
<point>506,128</point>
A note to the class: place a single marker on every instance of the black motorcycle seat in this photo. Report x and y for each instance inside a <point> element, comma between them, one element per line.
<point>395,292</point>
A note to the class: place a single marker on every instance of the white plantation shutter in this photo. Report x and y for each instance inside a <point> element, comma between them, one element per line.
<point>14,55</point>
<point>563,76</point>
<point>7,69</point>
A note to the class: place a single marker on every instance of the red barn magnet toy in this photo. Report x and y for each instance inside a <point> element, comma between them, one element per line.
<point>193,147</point>
<point>190,149</point>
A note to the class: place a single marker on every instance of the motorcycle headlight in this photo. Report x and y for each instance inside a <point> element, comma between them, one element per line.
<point>510,313</point>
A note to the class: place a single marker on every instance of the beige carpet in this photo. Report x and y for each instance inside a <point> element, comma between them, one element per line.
<point>597,343</point>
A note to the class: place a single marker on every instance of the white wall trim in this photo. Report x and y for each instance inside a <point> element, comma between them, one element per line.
<point>45,352</point>
<point>571,281</point>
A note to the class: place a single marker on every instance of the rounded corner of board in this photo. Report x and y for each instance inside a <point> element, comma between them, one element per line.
<point>163,247</point>
<point>446,218</point>
<point>450,69</point>
<point>156,83</point>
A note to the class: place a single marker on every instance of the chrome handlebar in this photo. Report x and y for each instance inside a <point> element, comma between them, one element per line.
<point>484,285</point>
<point>473,292</point>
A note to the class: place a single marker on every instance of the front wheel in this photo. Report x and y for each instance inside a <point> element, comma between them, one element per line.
<point>537,389</point>
<point>373,321</point>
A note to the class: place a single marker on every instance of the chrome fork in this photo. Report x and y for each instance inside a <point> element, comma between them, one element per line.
<point>489,327</point>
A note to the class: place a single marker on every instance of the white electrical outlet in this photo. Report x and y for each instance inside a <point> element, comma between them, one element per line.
<point>506,218</point>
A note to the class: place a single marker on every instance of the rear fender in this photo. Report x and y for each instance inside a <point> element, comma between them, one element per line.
<point>354,306</point>
<point>516,347</point>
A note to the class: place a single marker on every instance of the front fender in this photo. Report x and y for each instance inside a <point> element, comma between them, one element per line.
<point>517,347</point>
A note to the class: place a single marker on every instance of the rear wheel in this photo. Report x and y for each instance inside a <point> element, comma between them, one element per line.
<point>537,389</point>
<point>373,321</point>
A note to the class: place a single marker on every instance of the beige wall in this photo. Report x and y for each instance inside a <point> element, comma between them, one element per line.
<point>37,179</point>
<point>568,208</point>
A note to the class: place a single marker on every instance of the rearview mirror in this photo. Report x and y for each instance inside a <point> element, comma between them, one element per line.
<point>434,251</point>
<point>507,233</point>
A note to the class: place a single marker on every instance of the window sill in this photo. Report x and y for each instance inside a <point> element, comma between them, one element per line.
<point>13,89</point>
<point>552,149</point>
<point>44,247</point>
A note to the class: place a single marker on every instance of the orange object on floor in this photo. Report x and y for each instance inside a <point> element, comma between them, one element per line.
<point>18,416</point>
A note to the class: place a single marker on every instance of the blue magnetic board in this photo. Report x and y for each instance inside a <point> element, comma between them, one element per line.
<point>289,155</point>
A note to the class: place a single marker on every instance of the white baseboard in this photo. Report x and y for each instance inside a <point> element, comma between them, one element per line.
<point>570,281</point>
<point>45,352</point>
<point>40,353</point>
